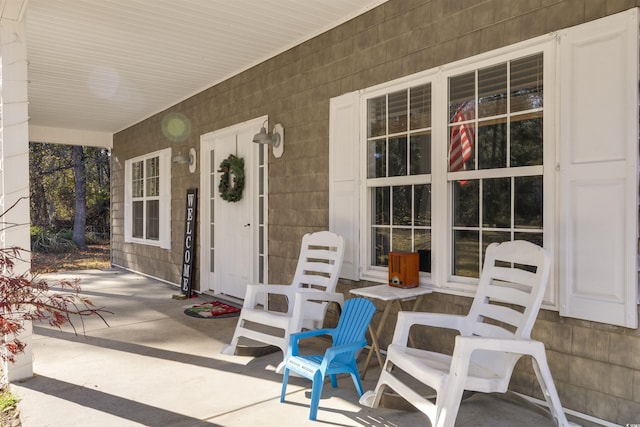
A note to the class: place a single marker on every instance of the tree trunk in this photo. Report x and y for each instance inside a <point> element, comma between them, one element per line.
<point>80,177</point>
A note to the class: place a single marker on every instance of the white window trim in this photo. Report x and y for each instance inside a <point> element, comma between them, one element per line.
<point>440,199</point>
<point>614,300</point>
<point>164,240</point>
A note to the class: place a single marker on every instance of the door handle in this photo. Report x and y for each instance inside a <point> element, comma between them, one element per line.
<point>247,225</point>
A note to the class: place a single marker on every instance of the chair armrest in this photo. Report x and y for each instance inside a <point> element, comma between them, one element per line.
<point>303,295</point>
<point>406,319</point>
<point>255,289</point>
<point>309,294</point>
<point>334,351</point>
<point>297,336</point>
<point>465,345</point>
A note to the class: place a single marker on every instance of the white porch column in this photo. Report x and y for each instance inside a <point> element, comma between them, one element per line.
<point>14,153</point>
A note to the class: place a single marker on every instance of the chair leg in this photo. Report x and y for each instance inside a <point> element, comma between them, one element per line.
<point>285,380</point>
<point>355,376</point>
<point>334,380</point>
<point>545,380</point>
<point>316,391</point>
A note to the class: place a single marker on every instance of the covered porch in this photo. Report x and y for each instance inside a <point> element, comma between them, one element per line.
<point>154,365</point>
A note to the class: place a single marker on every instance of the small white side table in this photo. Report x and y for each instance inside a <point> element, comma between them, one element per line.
<point>390,295</point>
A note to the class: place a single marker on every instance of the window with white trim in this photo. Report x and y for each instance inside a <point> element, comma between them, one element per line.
<point>399,172</point>
<point>147,195</point>
<point>545,149</point>
<point>495,159</point>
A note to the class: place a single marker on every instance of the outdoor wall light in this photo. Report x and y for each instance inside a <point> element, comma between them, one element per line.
<point>184,159</point>
<point>275,139</point>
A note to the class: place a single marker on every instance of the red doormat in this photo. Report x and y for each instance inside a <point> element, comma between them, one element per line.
<point>212,310</point>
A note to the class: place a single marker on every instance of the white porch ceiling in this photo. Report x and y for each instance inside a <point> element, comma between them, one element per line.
<point>103,65</point>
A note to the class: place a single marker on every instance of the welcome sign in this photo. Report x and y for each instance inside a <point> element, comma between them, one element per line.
<point>188,253</point>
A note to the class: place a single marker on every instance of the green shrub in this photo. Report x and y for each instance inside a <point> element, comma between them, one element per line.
<point>45,240</point>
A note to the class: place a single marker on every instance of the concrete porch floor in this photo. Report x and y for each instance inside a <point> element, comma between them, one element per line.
<point>156,366</point>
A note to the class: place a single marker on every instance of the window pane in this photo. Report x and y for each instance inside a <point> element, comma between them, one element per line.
<point>422,245</point>
<point>420,104</point>
<point>422,205</point>
<point>153,219</point>
<point>466,260</point>
<point>402,239</point>
<point>381,206</point>
<point>528,202</point>
<point>422,240</point>
<point>137,211</point>
<point>376,159</point>
<point>526,83</point>
<point>462,139</point>
<point>380,252</point>
<point>535,238</point>
<point>496,202</point>
<point>462,91</point>
<point>466,203</point>
<point>377,116</point>
<point>492,145</point>
<point>398,112</point>
<point>420,153</point>
<point>137,179</point>
<point>398,156</point>
<point>402,205</point>
<point>489,237</point>
<point>492,91</point>
<point>526,140</point>
<point>153,177</point>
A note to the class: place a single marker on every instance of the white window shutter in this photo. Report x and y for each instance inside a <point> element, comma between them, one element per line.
<point>127,201</point>
<point>344,177</point>
<point>599,170</point>
<point>165,198</point>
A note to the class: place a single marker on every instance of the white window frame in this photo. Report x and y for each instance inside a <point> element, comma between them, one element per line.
<point>441,204</point>
<point>164,198</point>
<point>595,269</point>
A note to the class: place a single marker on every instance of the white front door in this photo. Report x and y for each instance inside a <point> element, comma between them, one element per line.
<point>228,252</point>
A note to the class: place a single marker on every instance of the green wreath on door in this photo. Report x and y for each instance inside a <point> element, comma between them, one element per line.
<point>232,165</point>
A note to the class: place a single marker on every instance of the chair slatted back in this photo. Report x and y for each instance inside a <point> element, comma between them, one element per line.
<point>509,296</point>
<point>318,268</point>
<point>354,321</point>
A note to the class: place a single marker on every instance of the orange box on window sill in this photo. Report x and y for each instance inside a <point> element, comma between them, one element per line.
<point>404,269</point>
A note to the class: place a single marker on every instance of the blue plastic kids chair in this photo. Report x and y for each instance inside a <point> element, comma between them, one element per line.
<point>348,339</point>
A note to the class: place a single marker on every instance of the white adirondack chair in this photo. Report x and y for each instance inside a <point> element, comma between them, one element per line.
<point>307,297</point>
<point>493,336</point>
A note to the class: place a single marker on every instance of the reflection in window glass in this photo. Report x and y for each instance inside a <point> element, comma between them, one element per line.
<point>504,200</point>
<point>528,202</point>
<point>422,205</point>
<point>399,146</point>
<point>496,203</point>
<point>527,83</point>
<point>492,145</point>
<point>420,153</point>
<point>492,91</point>
<point>398,156</point>
<point>137,223</point>
<point>420,105</point>
<point>466,202</point>
<point>381,206</point>
<point>526,140</point>
<point>398,112</point>
<point>402,241</point>
<point>376,159</point>
<point>381,247</point>
<point>377,116</point>
<point>153,219</point>
<point>402,198</point>
<point>466,253</point>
